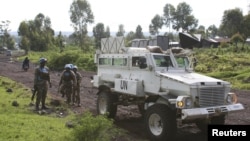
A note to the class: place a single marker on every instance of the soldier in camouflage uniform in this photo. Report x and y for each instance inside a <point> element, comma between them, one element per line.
<point>67,82</point>
<point>41,81</point>
<point>76,91</point>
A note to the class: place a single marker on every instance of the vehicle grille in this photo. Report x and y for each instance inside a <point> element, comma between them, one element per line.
<point>211,96</point>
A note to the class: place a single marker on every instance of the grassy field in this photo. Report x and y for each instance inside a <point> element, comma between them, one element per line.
<point>229,64</point>
<point>19,121</point>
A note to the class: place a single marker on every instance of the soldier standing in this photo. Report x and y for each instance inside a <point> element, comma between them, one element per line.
<point>41,80</point>
<point>67,82</point>
<point>76,90</point>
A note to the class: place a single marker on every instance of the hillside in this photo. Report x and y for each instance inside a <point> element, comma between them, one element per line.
<point>127,118</point>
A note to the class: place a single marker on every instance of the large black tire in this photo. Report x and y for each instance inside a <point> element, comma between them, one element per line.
<point>105,104</point>
<point>203,124</point>
<point>160,123</point>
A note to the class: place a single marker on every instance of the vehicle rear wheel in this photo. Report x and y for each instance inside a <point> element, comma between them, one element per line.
<point>105,104</point>
<point>160,122</point>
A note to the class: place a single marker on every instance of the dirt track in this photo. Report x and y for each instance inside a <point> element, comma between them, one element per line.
<point>127,117</point>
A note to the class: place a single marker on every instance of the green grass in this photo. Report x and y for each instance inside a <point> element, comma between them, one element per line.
<point>57,60</point>
<point>229,64</point>
<point>22,123</point>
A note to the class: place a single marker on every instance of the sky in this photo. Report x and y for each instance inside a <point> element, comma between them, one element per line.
<point>112,13</point>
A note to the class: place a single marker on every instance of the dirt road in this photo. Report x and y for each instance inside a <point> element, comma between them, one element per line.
<point>127,118</point>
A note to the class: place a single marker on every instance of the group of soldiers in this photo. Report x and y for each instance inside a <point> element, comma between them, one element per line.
<point>69,84</point>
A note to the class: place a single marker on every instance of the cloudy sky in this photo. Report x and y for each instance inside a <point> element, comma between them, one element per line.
<point>112,13</point>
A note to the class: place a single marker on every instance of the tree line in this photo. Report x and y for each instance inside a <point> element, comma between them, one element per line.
<point>37,34</point>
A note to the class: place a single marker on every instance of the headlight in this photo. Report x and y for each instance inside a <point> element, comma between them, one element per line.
<point>232,98</point>
<point>183,102</point>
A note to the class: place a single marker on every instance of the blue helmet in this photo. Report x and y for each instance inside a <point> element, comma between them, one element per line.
<point>75,67</point>
<point>71,66</point>
<point>43,60</point>
<point>68,66</point>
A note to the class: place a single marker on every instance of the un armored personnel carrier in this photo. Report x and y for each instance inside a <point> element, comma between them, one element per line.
<point>164,86</point>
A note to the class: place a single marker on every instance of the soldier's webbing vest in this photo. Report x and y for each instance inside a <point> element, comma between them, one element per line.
<point>43,74</point>
<point>67,76</point>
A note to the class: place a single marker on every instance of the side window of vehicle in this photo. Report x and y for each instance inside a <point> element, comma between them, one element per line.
<point>119,61</point>
<point>104,61</point>
<point>135,61</point>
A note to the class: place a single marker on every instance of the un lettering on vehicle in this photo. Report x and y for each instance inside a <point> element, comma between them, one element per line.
<point>132,87</point>
<point>124,85</point>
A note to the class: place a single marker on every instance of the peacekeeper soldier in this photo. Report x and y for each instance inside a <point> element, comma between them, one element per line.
<point>41,81</point>
<point>76,91</point>
<point>67,82</point>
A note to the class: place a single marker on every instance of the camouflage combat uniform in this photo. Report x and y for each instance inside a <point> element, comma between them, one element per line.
<point>41,80</point>
<point>66,84</point>
<point>76,91</point>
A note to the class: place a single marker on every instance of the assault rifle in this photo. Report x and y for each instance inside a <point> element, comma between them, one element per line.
<point>34,92</point>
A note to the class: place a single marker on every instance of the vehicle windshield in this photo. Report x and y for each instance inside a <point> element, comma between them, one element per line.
<point>182,62</point>
<point>162,61</point>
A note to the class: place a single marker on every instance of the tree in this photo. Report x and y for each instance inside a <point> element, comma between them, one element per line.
<point>168,11</point>
<point>156,24</point>
<point>236,38</point>
<point>201,30</point>
<point>121,31</point>
<point>10,42</point>
<point>81,15</point>
<point>212,31</point>
<point>171,36</point>
<point>151,29</point>
<point>107,32</point>
<point>130,36</point>
<point>246,25</point>
<point>139,33</point>
<point>182,18</point>
<point>99,33</point>
<point>24,44</point>
<point>232,22</point>
<point>5,39</point>
<point>38,33</point>
<point>24,32</point>
<point>60,41</point>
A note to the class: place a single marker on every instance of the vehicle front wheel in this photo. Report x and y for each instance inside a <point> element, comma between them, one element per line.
<point>160,122</point>
<point>105,104</point>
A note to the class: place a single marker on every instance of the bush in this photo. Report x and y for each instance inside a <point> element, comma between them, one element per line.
<point>58,61</point>
<point>89,128</point>
<point>86,63</point>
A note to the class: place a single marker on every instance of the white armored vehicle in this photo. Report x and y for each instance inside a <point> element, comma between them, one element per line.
<point>163,85</point>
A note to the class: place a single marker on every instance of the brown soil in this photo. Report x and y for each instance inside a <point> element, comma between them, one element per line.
<point>128,117</point>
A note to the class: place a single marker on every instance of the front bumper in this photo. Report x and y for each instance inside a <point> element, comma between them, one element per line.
<point>198,113</point>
